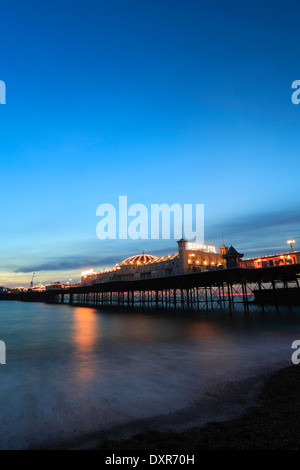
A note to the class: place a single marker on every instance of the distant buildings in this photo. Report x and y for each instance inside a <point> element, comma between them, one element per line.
<point>54,286</point>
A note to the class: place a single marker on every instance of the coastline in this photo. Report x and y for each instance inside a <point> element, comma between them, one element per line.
<point>271,424</point>
<point>258,413</point>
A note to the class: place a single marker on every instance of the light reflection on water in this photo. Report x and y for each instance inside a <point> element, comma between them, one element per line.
<point>86,332</point>
<point>74,370</point>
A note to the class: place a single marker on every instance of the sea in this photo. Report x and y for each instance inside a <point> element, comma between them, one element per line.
<point>75,376</point>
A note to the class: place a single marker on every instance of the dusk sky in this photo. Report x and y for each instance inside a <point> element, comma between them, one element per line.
<point>163,101</point>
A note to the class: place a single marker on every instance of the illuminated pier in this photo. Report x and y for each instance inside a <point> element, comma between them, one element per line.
<point>195,291</point>
<point>194,278</point>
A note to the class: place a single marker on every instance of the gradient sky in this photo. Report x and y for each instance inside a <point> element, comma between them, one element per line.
<point>173,101</point>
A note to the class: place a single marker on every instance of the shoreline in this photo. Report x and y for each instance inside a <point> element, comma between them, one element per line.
<point>271,424</point>
<point>261,412</point>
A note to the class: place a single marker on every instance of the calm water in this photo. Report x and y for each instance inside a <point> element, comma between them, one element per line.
<point>72,371</point>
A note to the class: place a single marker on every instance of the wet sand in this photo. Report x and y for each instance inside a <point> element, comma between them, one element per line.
<point>272,424</point>
<point>258,413</point>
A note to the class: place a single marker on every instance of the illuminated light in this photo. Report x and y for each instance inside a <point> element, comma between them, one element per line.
<point>192,254</point>
<point>212,262</point>
<point>197,246</point>
<point>143,259</point>
<point>189,261</point>
<point>289,257</point>
<point>205,262</point>
<point>89,272</point>
<point>281,256</point>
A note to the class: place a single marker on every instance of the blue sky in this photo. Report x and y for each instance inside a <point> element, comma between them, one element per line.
<point>163,101</point>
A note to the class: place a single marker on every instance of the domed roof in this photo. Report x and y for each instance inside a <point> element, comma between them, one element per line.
<point>138,259</point>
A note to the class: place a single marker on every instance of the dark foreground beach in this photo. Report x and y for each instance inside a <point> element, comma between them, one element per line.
<point>273,424</point>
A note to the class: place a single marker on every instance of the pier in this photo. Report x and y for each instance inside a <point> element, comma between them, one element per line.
<point>220,288</point>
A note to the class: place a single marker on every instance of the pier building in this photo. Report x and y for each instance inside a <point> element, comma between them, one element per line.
<point>281,259</point>
<point>191,257</point>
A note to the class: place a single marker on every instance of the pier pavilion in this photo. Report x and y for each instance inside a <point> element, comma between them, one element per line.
<point>191,258</point>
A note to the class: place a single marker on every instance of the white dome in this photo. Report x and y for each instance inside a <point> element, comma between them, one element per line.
<point>138,259</point>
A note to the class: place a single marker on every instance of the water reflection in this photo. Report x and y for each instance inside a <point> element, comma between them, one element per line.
<point>86,335</point>
<point>203,331</point>
<point>73,370</point>
<point>130,329</point>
